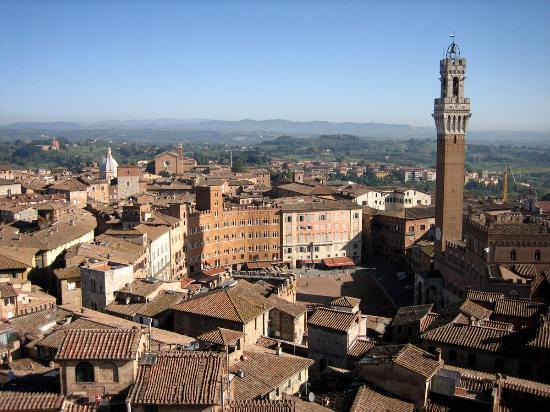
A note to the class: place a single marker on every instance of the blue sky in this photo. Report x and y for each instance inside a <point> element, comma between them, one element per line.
<point>355,61</point>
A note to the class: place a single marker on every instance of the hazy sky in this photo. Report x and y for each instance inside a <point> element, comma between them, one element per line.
<point>300,60</point>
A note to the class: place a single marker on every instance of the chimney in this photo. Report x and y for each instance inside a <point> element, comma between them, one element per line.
<point>437,354</point>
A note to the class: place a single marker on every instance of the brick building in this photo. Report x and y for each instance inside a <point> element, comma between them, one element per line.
<point>99,362</point>
<point>174,162</point>
<point>393,233</point>
<point>501,252</point>
<point>230,237</point>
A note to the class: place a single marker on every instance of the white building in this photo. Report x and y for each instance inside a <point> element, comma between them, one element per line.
<point>159,250</point>
<point>99,282</point>
<point>388,198</point>
<point>108,167</point>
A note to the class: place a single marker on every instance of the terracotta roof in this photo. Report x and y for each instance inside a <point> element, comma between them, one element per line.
<point>33,323</point>
<point>496,325</point>
<point>79,407</point>
<point>346,302</point>
<point>524,386</point>
<point>542,335</point>
<point>125,310</point>
<point>409,314</point>
<point>30,401</point>
<point>70,185</point>
<point>333,319</point>
<point>20,254</point>
<point>263,372</point>
<point>371,400</point>
<point>266,342</point>
<point>235,304</point>
<point>221,336</point>
<point>7,290</point>
<point>100,344</point>
<point>521,308</point>
<point>360,347</point>
<point>9,263</point>
<point>256,405</point>
<point>477,337</point>
<point>141,287</point>
<point>482,296</point>
<point>55,339</point>
<point>164,301</point>
<point>160,336</point>
<point>179,378</point>
<point>153,232</point>
<point>417,360</point>
<point>526,270</point>
<point>472,309</point>
<point>72,272</point>
<point>292,309</point>
<point>76,223</point>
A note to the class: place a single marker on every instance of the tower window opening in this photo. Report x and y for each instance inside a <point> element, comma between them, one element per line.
<point>513,254</point>
<point>455,139</point>
<point>455,86</point>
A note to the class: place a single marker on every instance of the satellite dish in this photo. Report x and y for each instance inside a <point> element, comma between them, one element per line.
<point>311,397</point>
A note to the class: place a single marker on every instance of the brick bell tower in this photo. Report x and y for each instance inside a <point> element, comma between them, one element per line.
<point>451,114</point>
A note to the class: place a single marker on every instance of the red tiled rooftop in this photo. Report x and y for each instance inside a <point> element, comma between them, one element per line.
<point>100,344</point>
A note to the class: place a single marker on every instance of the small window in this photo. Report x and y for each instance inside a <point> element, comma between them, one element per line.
<point>513,254</point>
<point>455,86</point>
<point>537,255</point>
<point>84,372</point>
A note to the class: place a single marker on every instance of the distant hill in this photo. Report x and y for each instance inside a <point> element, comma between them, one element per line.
<point>41,126</point>
<point>248,130</point>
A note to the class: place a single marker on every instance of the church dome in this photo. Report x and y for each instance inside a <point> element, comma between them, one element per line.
<point>108,166</point>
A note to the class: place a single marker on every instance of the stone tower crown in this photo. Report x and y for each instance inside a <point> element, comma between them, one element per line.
<point>452,109</point>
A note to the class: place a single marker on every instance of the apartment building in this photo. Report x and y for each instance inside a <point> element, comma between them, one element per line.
<point>312,231</point>
<point>229,237</point>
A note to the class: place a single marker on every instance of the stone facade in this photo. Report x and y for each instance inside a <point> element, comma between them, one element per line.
<point>128,181</point>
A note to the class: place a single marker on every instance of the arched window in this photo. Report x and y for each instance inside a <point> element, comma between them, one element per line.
<point>84,372</point>
<point>108,372</point>
<point>513,254</point>
<point>537,255</point>
<point>455,86</point>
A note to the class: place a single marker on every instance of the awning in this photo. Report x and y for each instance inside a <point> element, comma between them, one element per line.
<point>339,262</point>
<point>213,271</point>
<point>258,265</point>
